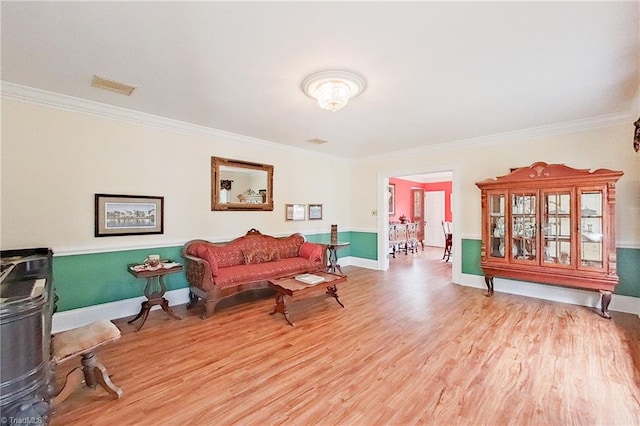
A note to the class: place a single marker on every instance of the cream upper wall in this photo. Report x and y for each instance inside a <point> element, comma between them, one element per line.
<point>54,161</point>
<point>609,147</point>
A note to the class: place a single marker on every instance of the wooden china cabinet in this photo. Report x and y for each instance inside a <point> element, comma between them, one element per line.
<point>551,224</point>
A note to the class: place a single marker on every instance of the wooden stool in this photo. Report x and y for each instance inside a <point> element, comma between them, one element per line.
<point>83,341</point>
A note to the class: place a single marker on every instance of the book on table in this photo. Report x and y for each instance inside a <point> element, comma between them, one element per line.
<point>309,278</point>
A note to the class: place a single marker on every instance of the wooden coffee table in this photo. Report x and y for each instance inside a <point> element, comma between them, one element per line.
<point>290,287</point>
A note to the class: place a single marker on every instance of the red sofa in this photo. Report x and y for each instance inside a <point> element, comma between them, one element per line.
<point>216,271</point>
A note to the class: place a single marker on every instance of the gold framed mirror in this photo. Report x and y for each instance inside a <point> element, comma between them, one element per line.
<point>241,185</point>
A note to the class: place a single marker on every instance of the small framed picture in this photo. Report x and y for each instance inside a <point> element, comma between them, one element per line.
<point>315,211</point>
<point>391,197</point>
<point>128,215</point>
<point>294,211</point>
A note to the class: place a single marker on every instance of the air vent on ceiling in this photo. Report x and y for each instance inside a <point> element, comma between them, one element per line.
<point>114,86</point>
<point>317,141</point>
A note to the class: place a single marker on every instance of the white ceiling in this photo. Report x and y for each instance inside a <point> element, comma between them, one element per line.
<point>429,178</point>
<point>436,72</point>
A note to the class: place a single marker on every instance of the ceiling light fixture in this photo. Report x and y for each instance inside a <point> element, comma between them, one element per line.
<point>333,89</point>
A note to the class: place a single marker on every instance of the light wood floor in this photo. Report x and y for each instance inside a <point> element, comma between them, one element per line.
<point>409,348</point>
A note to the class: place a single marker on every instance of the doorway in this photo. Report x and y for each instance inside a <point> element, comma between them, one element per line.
<point>439,208</point>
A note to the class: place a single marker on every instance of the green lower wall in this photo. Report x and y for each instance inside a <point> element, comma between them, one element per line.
<point>628,271</point>
<point>326,238</point>
<point>628,264</point>
<point>364,245</point>
<point>471,257</point>
<point>92,279</point>
<point>361,244</point>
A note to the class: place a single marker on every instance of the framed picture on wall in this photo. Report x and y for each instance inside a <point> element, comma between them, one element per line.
<point>392,198</point>
<point>294,211</point>
<point>128,215</point>
<point>315,211</point>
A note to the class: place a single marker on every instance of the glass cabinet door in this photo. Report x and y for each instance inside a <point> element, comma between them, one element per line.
<point>497,217</point>
<point>556,228</point>
<point>523,227</point>
<point>591,229</point>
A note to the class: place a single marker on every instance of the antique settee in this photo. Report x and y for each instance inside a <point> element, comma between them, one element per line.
<point>216,271</point>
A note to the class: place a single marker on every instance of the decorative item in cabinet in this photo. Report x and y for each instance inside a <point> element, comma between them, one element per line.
<point>417,213</point>
<point>551,224</point>
<point>497,224</point>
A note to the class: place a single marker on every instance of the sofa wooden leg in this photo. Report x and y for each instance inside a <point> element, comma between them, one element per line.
<point>193,299</point>
<point>209,307</point>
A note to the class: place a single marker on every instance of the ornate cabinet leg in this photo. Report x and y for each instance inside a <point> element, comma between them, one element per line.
<point>488,280</point>
<point>605,299</point>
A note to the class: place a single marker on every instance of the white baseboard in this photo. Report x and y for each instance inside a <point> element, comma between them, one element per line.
<point>619,303</point>
<point>359,262</point>
<point>113,310</point>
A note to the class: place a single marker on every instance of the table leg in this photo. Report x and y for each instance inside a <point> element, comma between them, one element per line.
<point>281,307</point>
<point>139,313</point>
<point>332,291</point>
<point>154,291</point>
<point>164,303</point>
<point>146,307</point>
<point>165,307</point>
<point>333,261</point>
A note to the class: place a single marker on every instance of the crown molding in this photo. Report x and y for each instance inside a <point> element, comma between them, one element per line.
<point>84,106</point>
<point>69,103</point>
<point>555,129</point>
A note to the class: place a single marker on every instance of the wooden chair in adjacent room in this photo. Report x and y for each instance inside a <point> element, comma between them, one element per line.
<point>447,228</point>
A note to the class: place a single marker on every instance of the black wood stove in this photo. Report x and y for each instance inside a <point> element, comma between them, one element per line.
<point>26,309</point>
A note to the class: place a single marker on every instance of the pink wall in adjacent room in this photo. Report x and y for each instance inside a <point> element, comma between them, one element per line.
<point>404,201</point>
<point>403,198</point>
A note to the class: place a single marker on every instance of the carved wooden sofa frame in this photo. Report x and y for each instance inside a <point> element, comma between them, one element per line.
<point>202,281</point>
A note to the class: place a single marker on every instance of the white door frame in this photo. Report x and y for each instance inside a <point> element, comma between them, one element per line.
<point>383,213</point>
